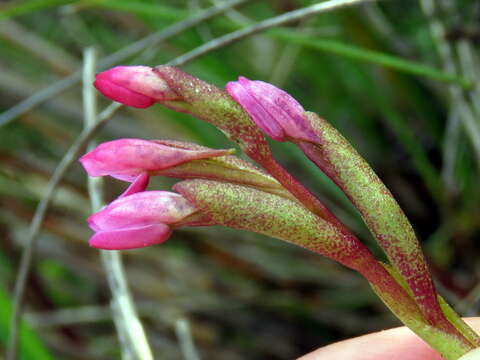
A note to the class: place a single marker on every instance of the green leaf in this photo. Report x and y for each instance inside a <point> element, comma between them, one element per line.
<point>31,347</point>
<point>141,8</point>
<point>17,8</point>
<point>374,57</point>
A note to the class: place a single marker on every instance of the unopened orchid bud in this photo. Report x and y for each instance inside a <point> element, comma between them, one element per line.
<point>125,159</point>
<point>138,220</point>
<point>274,111</point>
<point>137,86</point>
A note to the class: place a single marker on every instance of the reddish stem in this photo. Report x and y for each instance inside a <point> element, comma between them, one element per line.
<point>360,258</point>
<point>310,201</point>
<point>362,261</point>
<point>300,192</point>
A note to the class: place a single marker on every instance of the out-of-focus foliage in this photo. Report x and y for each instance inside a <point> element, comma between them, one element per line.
<point>246,296</point>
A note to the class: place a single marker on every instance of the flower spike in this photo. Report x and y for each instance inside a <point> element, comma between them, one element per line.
<point>207,102</point>
<point>281,117</point>
<point>223,190</point>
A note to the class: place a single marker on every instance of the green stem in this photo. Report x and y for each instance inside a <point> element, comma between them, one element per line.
<point>453,318</point>
<point>458,322</point>
<point>300,192</point>
<point>338,160</point>
<point>445,338</point>
<point>247,208</point>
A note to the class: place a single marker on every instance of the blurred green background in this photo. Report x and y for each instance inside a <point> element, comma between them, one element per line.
<point>406,97</point>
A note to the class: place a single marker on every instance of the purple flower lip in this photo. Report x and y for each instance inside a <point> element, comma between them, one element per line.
<point>274,111</point>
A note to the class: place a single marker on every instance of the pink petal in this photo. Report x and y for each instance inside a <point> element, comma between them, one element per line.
<point>122,94</point>
<point>138,185</point>
<point>125,159</point>
<point>117,158</point>
<point>274,111</point>
<point>257,112</point>
<point>140,209</point>
<point>141,86</point>
<point>131,238</point>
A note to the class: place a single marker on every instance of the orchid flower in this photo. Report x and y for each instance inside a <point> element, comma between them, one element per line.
<point>225,190</point>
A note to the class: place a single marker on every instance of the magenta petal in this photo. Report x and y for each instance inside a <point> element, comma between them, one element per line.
<point>141,209</point>
<point>92,224</point>
<point>137,86</point>
<point>274,111</point>
<point>125,159</point>
<point>122,94</point>
<point>114,158</point>
<point>89,163</point>
<point>131,238</point>
<point>242,94</point>
<point>139,184</point>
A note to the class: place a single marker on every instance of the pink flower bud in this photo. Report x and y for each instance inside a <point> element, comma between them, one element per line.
<point>125,159</point>
<point>137,86</point>
<point>274,111</point>
<point>138,220</point>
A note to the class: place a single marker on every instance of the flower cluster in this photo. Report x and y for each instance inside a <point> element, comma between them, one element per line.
<point>220,188</point>
<point>140,218</point>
